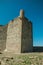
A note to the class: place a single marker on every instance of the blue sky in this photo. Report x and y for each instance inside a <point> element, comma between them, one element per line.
<point>9,9</point>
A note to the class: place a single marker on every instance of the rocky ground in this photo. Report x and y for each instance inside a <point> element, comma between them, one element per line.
<point>21,59</point>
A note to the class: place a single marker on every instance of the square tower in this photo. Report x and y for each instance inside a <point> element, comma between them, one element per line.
<point>19,35</point>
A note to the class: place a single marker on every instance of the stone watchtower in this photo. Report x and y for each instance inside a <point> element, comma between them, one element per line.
<point>19,35</point>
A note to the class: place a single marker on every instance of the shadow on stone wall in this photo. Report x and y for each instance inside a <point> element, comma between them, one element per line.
<point>38,49</point>
<point>3,36</point>
<point>26,36</point>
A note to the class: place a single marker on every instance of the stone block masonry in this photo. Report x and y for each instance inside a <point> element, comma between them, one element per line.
<point>3,37</point>
<point>17,35</point>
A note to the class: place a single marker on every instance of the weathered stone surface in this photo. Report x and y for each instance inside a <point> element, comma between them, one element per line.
<point>3,36</point>
<point>26,45</point>
<point>13,42</point>
<point>17,35</point>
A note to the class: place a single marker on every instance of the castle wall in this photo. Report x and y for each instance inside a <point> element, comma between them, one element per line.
<point>13,42</point>
<point>17,35</point>
<point>3,35</point>
<point>37,48</point>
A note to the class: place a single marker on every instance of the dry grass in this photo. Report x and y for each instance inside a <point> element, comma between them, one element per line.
<point>21,59</point>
